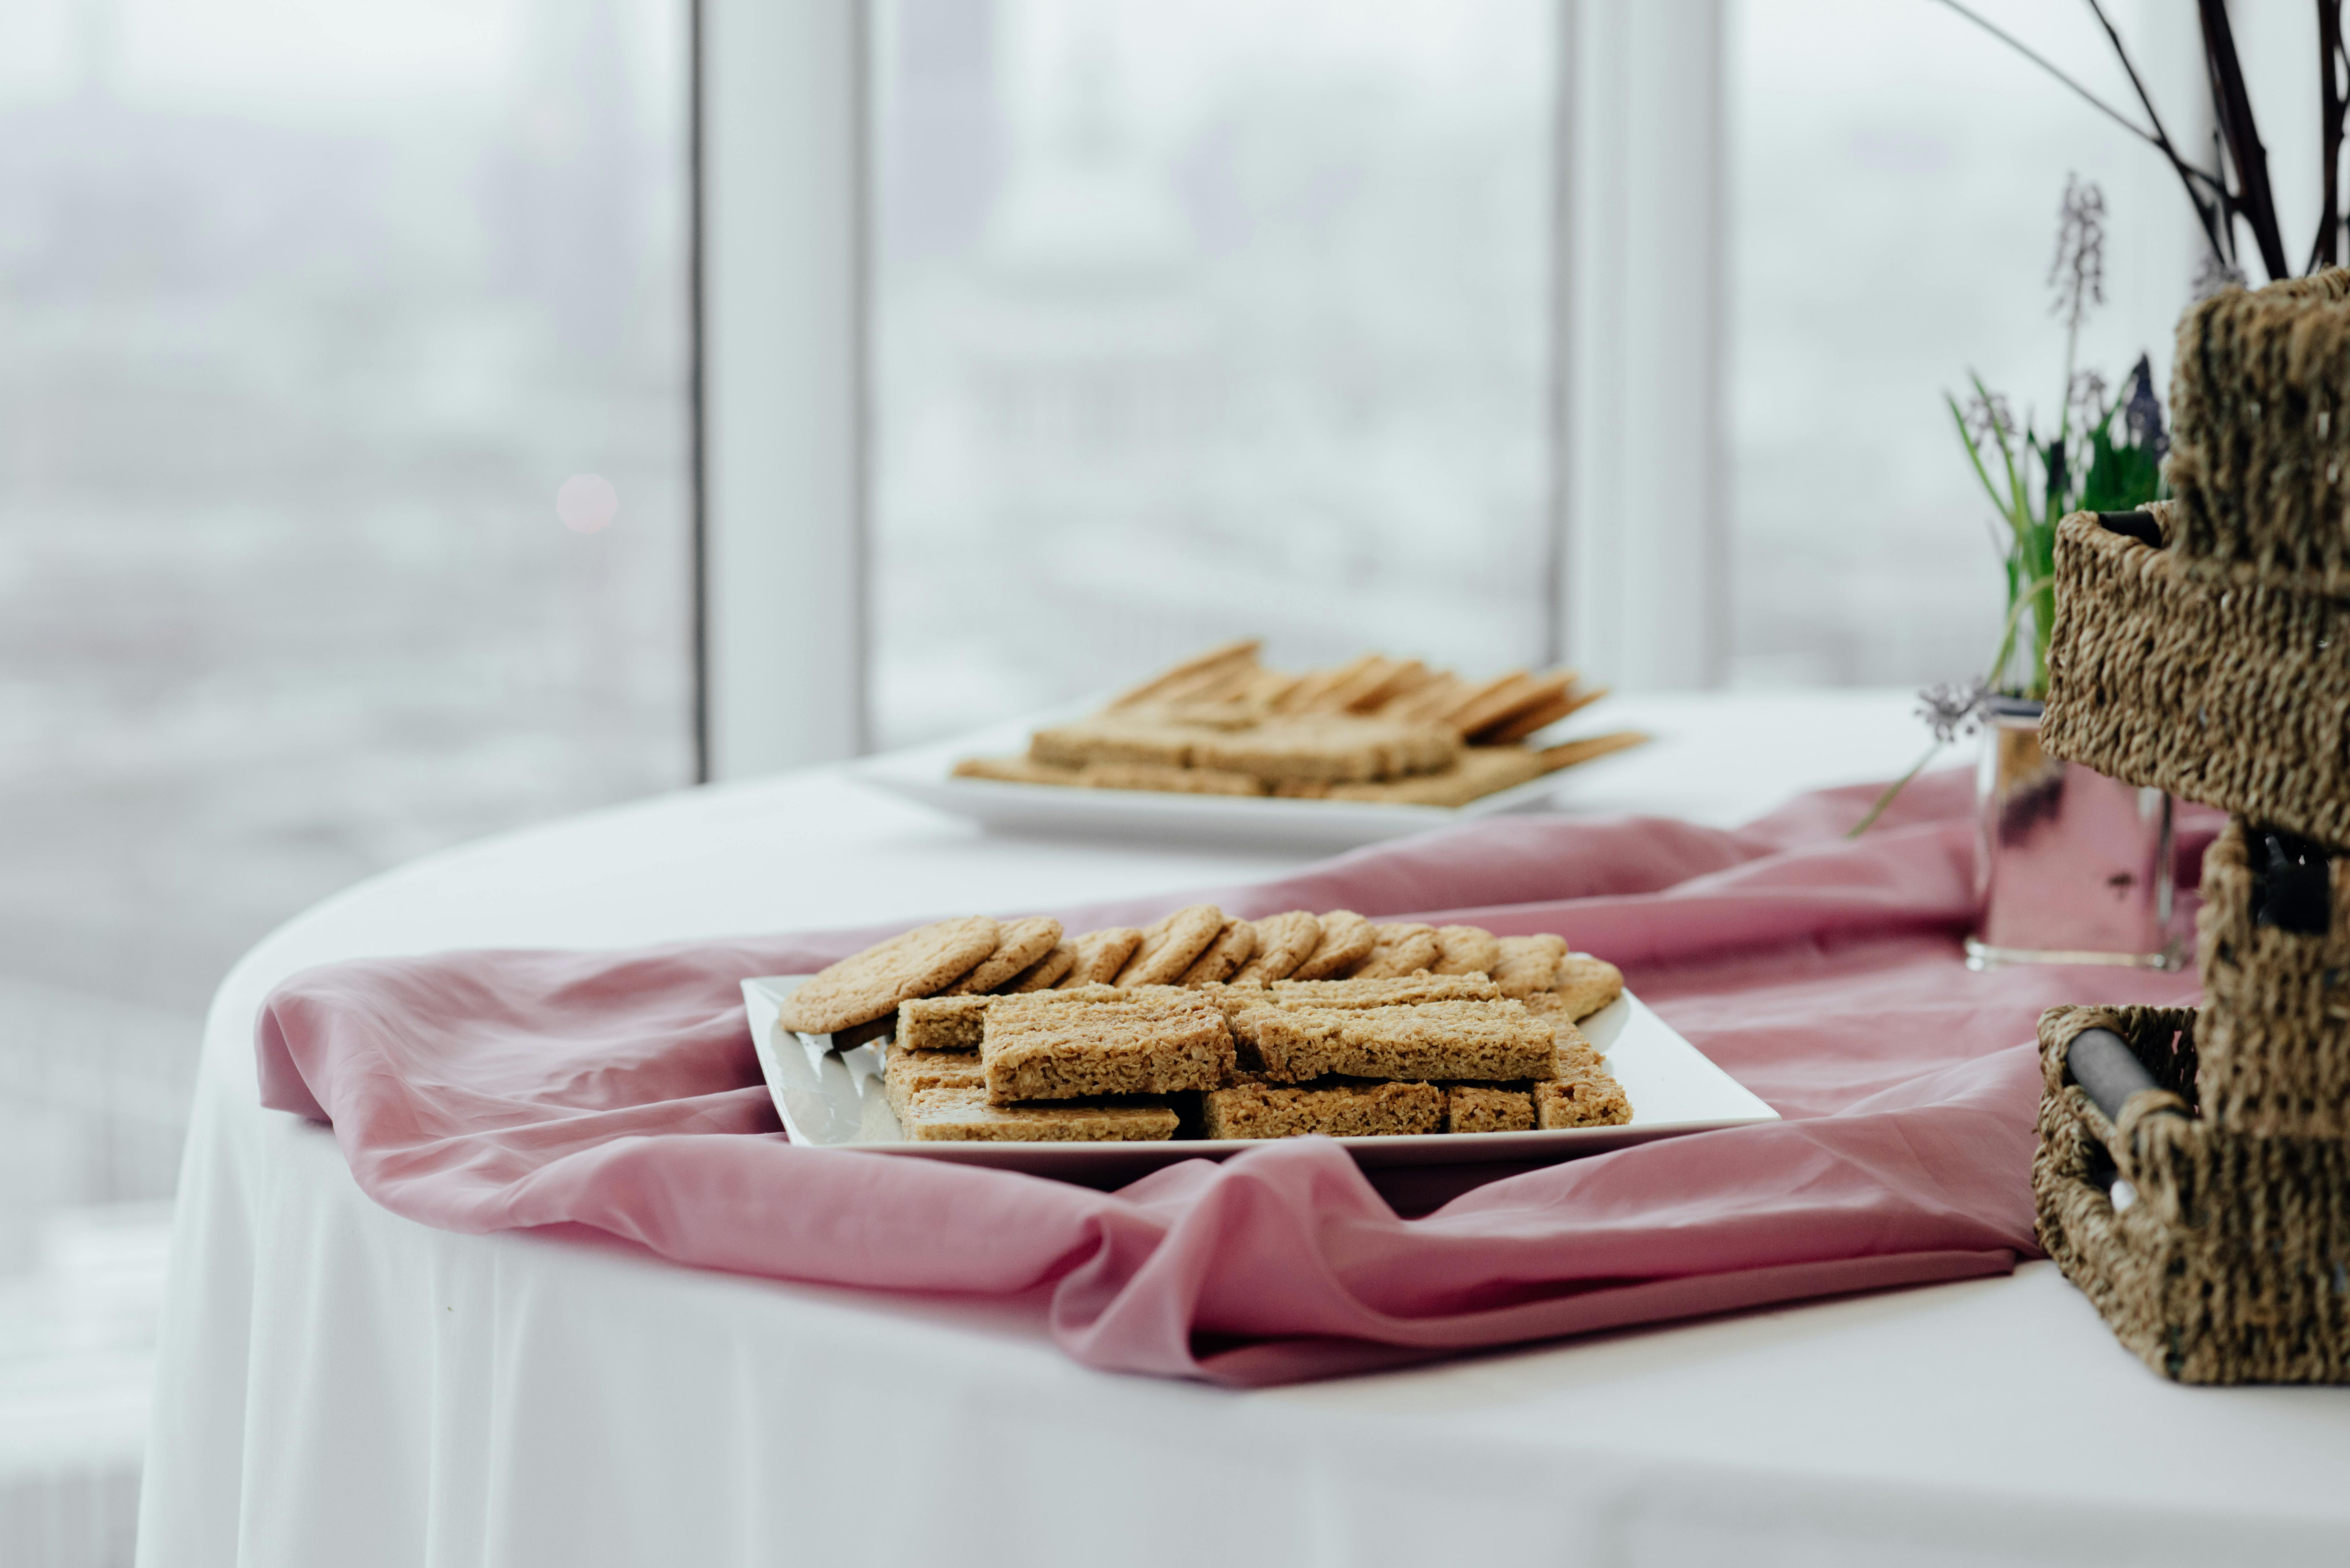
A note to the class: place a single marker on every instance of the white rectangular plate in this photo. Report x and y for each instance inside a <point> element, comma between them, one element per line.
<point>922,773</point>
<point>833,1099</point>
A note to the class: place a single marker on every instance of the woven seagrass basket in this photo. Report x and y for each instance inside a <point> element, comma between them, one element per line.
<point>2201,645</point>
<point>2210,1222</point>
<point>2227,683</point>
<point>2217,1256</point>
<point>2261,398</point>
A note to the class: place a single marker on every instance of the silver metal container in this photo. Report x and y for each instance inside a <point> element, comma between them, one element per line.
<point>2071,867</point>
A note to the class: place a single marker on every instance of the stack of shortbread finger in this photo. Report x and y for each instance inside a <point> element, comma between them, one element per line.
<point>1208,1026</point>
<point>1376,728</point>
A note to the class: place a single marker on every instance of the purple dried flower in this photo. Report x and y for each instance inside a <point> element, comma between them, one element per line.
<point>2142,413</point>
<point>2087,396</point>
<point>2078,271</point>
<point>1952,711</point>
<point>1989,420</point>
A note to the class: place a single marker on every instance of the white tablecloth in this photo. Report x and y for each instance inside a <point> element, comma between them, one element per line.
<point>341,1386</point>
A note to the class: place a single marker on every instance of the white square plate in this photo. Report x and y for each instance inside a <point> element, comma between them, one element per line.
<point>923,773</point>
<point>833,1099</point>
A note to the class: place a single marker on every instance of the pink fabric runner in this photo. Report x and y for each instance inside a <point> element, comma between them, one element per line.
<point>489,1091</point>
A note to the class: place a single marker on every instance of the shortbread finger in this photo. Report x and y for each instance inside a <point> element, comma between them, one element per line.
<point>1243,652</point>
<point>1497,701</point>
<point>1481,722</point>
<point>1543,715</point>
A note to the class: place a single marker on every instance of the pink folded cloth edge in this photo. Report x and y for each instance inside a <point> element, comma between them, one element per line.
<point>492,1090</point>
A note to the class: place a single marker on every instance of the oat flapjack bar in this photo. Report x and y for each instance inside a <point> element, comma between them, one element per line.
<point>965,1114</point>
<point>941,1022</point>
<point>1591,1101</point>
<point>1402,991</point>
<point>1487,1107</point>
<point>1052,1045</point>
<point>907,1072</point>
<point>1254,1108</point>
<point>1484,1042</point>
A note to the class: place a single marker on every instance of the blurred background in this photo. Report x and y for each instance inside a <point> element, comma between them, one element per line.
<point>346,441</point>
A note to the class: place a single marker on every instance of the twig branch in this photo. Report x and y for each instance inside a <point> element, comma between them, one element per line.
<point>2252,199</point>
<point>2210,211</point>
<point>2021,48</point>
<point>2333,64</point>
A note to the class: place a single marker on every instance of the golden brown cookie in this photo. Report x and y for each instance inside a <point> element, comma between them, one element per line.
<point>1347,939</point>
<point>1402,948</point>
<point>1014,770</point>
<point>1100,955</point>
<point>1466,949</point>
<point>1018,944</point>
<point>1585,984</point>
<point>1282,943</point>
<point>1528,964</point>
<point>1170,945</point>
<point>1045,973</point>
<point>864,986</point>
<point>1567,754</point>
<point>1233,947</point>
<point>1181,676</point>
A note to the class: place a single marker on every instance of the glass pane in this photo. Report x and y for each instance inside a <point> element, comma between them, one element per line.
<point>306,317</point>
<point>1204,320</point>
<point>1895,179</point>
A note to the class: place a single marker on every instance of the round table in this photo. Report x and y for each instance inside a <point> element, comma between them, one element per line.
<point>340,1385</point>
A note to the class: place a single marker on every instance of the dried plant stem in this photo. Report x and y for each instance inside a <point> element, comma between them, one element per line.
<point>1893,789</point>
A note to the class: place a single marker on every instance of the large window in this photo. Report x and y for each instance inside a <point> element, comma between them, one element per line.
<point>1896,175</point>
<point>1201,320</point>
<point>308,315</point>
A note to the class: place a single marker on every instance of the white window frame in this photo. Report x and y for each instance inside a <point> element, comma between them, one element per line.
<point>1638,580</point>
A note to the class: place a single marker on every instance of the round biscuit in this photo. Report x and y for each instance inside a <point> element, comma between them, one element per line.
<point>1402,950</point>
<point>1100,955</point>
<point>1282,943</point>
<point>1018,944</point>
<point>1347,940</point>
<point>1045,973</point>
<point>1585,984</point>
<point>1528,964</point>
<point>1467,950</point>
<point>863,986</point>
<point>1232,948</point>
<point>1170,945</point>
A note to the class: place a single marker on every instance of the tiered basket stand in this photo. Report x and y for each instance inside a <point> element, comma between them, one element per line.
<point>2203,646</point>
